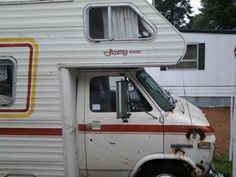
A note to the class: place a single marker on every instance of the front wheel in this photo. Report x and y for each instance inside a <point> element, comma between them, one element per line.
<point>165,170</point>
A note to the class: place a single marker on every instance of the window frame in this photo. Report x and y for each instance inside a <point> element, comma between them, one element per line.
<point>109,6</point>
<point>140,94</point>
<point>14,74</point>
<point>195,60</point>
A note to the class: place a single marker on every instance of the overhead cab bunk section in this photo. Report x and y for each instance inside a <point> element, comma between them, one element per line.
<point>128,33</point>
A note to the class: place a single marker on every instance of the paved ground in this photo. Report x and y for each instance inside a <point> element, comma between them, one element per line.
<point>219,119</point>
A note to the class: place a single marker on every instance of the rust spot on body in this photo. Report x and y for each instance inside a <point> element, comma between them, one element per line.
<point>112,143</point>
<point>179,151</point>
<point>125,161</point>
<point>201,167</point>
<point>194,132</point>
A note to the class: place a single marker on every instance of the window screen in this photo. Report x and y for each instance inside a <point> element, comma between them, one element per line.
<point>117,23</point>
<point>7,81</point>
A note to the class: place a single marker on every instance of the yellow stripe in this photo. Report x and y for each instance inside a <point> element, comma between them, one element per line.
<point>34,76</point>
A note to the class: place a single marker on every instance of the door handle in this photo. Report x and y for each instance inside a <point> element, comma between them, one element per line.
<point>95,125</point>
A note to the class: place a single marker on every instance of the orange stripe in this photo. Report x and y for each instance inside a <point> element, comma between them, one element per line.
<point>26,109</point>
<point>31,131</point>
<point>32,76</point>
<point>145,128</point>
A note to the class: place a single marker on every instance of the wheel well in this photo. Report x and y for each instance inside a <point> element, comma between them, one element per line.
<point>179,163</point>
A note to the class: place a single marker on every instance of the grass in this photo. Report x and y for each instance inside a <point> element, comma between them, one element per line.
<point>222,164</point>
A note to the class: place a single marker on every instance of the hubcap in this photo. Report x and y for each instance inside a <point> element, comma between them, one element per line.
<point>165,175</point>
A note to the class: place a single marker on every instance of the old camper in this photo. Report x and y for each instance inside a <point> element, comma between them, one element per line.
<point>75,100</point>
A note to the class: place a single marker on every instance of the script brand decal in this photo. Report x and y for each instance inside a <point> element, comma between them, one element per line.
<point>121,52</point>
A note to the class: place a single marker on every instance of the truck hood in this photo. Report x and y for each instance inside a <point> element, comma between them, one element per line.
<point>189,111</point>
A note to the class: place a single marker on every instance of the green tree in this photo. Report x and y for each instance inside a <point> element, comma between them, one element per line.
<point>176,11</point>
<point>215,14</point>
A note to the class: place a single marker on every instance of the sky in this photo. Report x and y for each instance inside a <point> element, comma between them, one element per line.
<point>194,3</point>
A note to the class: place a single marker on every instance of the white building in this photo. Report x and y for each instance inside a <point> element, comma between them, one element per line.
<point>206,74</point>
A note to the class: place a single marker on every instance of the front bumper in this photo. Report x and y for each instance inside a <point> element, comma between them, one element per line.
<point>213,173</point>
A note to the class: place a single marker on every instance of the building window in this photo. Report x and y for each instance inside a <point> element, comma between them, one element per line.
<point>7,81</point>
<point>103,95</point>
<point>108,23</point>
<point>190,59</point>
<point>194,58</point>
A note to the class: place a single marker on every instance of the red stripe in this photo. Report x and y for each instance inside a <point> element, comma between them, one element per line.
<point>144,128</point>
<point>26,109</point>
<point>185,128</point>
<point>31,131</point>
<point>123,128</point>
<point>105,128</point>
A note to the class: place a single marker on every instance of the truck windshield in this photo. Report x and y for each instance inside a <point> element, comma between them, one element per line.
<point>161,97</point>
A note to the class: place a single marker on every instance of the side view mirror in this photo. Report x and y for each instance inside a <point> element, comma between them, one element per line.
<point>122,100</point>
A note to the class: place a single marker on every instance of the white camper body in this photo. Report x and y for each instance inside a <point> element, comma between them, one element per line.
<point>57,118</point>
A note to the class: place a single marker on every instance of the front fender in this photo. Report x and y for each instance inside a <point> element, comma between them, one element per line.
<point>161,156</point>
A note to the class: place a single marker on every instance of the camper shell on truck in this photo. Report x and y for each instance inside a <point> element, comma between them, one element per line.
<point>76,101</point>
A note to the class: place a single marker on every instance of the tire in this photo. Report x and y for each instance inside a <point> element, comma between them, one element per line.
<point>165,170</point>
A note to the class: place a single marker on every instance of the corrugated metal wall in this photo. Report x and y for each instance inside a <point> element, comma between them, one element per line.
<point>215,80</point>
<point>31,155</point>
<point>58,30</point>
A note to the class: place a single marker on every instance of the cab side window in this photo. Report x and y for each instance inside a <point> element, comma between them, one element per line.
<point>7,81</point>
<point>116,23</point>
<point>103,95</point>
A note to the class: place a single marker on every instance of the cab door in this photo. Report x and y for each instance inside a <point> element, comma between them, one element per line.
<point>113,146</point>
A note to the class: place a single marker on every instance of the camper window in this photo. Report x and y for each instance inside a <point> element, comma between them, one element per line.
<point>7,81</point>
<point>98,23</point>
<point>103,95</point>
<point>116,23</point>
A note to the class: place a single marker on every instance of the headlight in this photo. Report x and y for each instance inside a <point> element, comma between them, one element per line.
<point>204,145</point>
